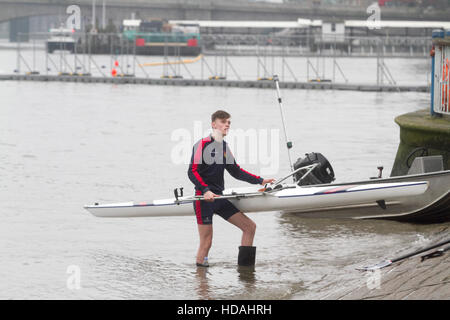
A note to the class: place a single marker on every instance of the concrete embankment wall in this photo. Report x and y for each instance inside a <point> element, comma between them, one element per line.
<point>420,129</point>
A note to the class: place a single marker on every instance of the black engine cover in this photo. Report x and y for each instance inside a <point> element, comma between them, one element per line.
<point>323,173</point>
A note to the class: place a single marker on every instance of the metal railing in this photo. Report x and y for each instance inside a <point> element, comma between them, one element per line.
<point>441,94</point>
<point>112,55</point>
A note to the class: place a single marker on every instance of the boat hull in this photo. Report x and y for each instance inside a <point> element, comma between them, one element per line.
<point>432,206</point>
<point>289,199</point>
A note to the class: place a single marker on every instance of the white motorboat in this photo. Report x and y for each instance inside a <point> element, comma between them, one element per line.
<point>61,39</point>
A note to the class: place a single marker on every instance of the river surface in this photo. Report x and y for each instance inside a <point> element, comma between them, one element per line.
<point>64,145</point>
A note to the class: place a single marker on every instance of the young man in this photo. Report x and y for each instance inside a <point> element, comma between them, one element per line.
<point>210,157</point>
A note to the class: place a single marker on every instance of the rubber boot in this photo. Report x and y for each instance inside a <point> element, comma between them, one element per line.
<point>247,255</point>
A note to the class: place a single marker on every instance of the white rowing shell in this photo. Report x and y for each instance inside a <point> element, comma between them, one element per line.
<point>289,199</point>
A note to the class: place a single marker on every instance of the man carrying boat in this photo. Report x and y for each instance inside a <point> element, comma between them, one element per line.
<point>210,157</point>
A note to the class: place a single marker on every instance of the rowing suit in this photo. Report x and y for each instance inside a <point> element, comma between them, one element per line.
<point>209,160</point>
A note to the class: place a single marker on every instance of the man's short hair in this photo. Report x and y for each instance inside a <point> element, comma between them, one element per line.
<point>220,114</point>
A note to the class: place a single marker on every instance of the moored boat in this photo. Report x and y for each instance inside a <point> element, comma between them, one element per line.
<point>432,206</point>
<point>61,39</point>
<point>158,38</point>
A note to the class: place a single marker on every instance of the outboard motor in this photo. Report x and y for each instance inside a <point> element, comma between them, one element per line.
<point>323,173</point>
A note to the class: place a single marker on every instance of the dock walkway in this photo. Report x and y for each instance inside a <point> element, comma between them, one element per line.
<point>217,83</point>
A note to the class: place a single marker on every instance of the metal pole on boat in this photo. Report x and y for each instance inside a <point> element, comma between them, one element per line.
<point>280,103</point>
